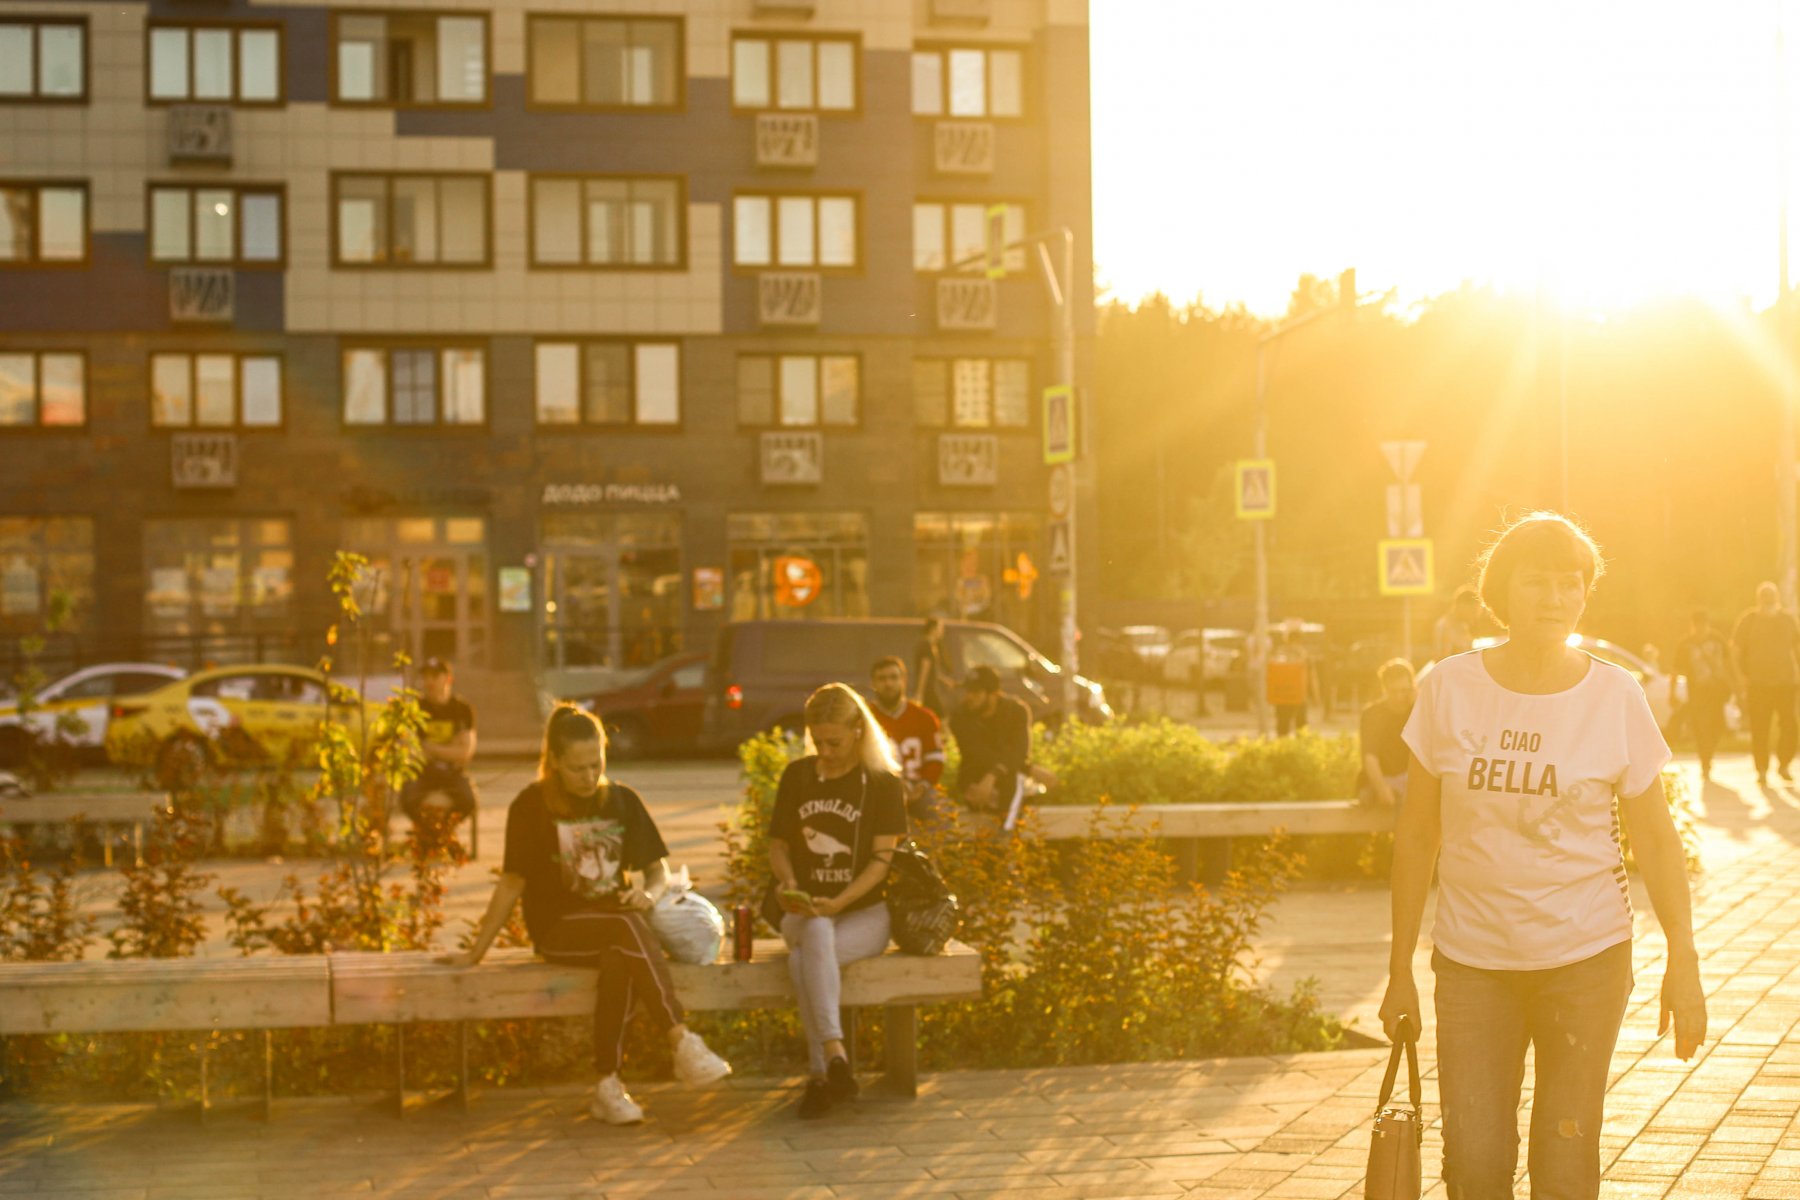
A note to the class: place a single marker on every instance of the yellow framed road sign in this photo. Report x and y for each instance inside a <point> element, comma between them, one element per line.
<point>1405,566</point>
<point>1255,488</point>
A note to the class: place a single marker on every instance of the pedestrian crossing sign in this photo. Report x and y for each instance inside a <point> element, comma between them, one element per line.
<point>1255,489</point>
<point>1405,565</point>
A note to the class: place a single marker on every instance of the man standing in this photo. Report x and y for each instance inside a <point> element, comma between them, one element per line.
<point>448,743</point>
<point>993,732</point>
<point>915,731</point>
<point>1454,632</point>
<point>1703,659</point>
<point>1765,647</point>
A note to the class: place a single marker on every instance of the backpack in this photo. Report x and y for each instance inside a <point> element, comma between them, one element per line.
<point>921,907</point>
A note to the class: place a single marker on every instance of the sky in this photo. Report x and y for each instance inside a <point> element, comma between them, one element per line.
<point>1603,152</point>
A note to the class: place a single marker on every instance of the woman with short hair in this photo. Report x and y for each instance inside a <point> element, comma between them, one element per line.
<point>838,814</point>
<point>571,836</point>
<point>1523,758</point>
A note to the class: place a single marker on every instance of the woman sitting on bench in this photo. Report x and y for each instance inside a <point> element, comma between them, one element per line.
<point>570,839</point>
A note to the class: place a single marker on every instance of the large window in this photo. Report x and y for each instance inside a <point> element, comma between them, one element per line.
<point>236,225</point>
<point>43,223</point>
<point>415,385</point>
<point>972,393</point>
<point>608,383</point>
<point>42,557</point>
<point>960,566</point>
<point>220,64</point>
<point>409,60</point>
<point>599,221</point>
<point>215,391</point>
<point>606,62</point>
<point>42,389</point>
<point>794,565</point>
<point>799,390</point>
<point>795,231</point>
<point>794,73</point>
<point>411,220</point>
<point>43,59</point>
<point>217,576</point>
<point>968,81</point>
<point>950,234</point>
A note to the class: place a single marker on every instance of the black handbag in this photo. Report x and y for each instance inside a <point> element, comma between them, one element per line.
<point>1399,1132</point>
<point>922,910</point>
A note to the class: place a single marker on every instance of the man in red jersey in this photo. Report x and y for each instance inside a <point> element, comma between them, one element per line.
<point>918,738</point>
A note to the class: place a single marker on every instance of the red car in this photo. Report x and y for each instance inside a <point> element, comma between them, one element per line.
<point>657,708</point>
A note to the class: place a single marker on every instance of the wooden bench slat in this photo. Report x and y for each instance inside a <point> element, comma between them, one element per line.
<point>1214,820</point>
<point>165,995</point>
<point>92,806</point>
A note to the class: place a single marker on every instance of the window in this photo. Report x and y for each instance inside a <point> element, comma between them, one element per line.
<point>42,557</point>
<point>43,223</point>
<point>764,550</point>
<point>799,390</point>
<point>954,235</point>
<point>43,59</point>
<point>415,385</point>
<point>795,231</point>
<point>608,383</point>
<point>218,576</point>
<point>794,74</point>
<point>222,64</point>
<point>237,225</point>
<point>411,220</point>
<point>968,81</point>
<point>409,60</point>
<point>607,222</point>
<point>42,389</point>
<point>215,391</point>
<point>606,62</point>
<point>972,393</point>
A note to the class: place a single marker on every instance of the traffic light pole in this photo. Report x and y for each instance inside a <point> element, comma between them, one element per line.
<point>1062,294</point>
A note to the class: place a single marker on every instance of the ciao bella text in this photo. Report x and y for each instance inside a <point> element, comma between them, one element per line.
<point>1519,776</point>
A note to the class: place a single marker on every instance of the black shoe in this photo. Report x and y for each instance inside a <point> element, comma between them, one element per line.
<point>817,1101</point>
<point>841,1080</point>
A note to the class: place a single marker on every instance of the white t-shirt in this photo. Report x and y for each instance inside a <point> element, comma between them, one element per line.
<point>1531,875</point>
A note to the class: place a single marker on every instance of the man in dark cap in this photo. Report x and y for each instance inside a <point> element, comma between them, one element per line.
<point>993,732</point>
<point>448,743</point>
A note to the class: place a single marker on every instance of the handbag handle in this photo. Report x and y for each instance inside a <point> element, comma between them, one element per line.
<point>1406,1042</point>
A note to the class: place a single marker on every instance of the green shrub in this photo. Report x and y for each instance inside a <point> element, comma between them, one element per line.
<point>1160,761</point>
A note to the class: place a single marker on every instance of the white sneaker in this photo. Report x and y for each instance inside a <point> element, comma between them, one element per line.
<point>613,1104</point>
<point>695,1065</point>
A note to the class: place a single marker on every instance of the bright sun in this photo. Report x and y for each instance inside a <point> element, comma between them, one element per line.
<point>1604,151</point>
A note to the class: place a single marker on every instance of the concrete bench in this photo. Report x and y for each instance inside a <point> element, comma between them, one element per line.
<point>135,809</point>
<point>301,991</point>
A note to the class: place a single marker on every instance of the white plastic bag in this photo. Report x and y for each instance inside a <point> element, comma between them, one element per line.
<point>686,923</point>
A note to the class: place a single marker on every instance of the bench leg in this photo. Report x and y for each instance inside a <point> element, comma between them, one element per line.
<point>462,1065</point>
<point>105,844</point>
<point>902,1029</point>
<point>1187,858</point>
<point>137,842</point>
<point>205,1076</point>
<point>399,1070</point>
<point>268,1102</point>
<point>1215,861</point>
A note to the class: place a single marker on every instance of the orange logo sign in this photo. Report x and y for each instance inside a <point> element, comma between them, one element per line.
<point>797,581</point>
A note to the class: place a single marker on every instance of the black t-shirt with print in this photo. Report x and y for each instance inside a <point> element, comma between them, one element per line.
<point>572,864</point>
<point>830,825</point>
<point>444,721</point>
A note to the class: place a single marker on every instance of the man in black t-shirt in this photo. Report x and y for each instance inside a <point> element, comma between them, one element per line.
<point>1381,778</point>
<point>993,732</point>
<point>1765,645</point>
<point>448,743</point>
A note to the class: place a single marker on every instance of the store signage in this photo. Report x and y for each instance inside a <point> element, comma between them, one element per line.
<point>968,460</point>
<point>962,10</point>
<point>967,303</point>
<point>200,133</point>
<point>203,460</point>
<point>202,294</point>
<point>367,499</point>
<point>963,148</point>
<point>793,458</point>
<point>515,589</point>
<point>789,298</point>
<point>798,581</point>
<point>578,495</point>
<point>787,140</point>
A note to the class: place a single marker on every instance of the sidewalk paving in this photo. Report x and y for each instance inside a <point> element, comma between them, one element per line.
<point>1726,1124</point>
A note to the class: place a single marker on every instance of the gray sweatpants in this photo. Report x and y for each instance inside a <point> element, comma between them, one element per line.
<point>819,949</point>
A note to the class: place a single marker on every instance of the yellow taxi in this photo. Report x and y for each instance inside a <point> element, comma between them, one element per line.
<point>261,713</point>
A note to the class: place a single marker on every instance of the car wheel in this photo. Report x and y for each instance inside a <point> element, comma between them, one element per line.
<point>626,737</point>
<point>181,761</point>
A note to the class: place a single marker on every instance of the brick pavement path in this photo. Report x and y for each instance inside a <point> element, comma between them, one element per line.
<point>1726,1124</point>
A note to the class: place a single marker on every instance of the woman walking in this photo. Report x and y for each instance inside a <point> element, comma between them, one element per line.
<point>570,839</point>
<point>1524,756</point>
<point>838,812</point>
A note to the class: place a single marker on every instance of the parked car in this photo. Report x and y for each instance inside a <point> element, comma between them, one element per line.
<point>654,708</point>
<point>240,715</point>
<point>1665,693</point>
<point>761,672</point>
<point>87,696</point>
<point>1202,657</point>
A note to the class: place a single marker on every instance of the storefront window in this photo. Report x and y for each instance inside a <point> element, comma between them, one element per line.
<point>968,566</point>
<point>612,590</point>
<point>425,589</point>
<point>792,566</point>
<point>39,558</point>
<point>217,578</point>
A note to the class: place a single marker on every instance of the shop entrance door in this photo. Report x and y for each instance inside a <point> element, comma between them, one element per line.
<point>442,612</point>
<point>611,605</point>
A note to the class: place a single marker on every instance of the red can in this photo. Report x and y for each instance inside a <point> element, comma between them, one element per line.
<point>743,929</point>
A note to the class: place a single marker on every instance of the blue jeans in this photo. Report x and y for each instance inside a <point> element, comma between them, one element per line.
<point>1571,1015</point>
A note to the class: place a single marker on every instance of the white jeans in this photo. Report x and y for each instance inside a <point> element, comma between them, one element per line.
<point>819,949</point>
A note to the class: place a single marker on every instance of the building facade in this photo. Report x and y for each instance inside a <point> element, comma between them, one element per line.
<point>591,323</point>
